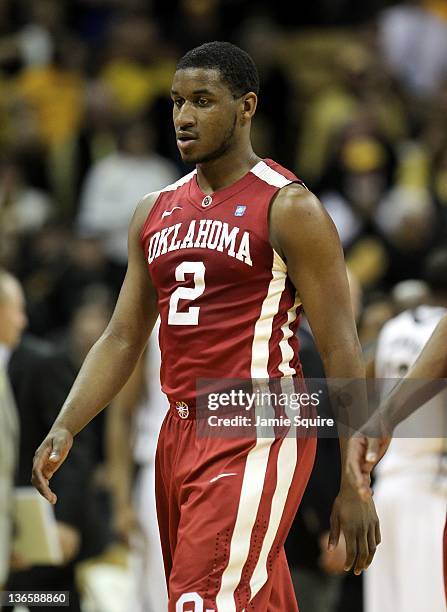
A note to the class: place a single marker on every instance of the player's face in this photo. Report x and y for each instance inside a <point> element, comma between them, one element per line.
<point>205,114</point>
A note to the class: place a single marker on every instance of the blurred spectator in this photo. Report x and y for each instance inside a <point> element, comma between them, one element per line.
<point>42,375</point>
<point>139,67</point>
<point>439,182</point>
<point>114,186</point>
<point>54,92</point>
<point>12,324</point>
<point>274,132</point>
<point>359,174</point>
<point>409,225</point>
<point>356,89</point>
<point>409,294</point>
<point>413,36</point>
<point>23,208</point>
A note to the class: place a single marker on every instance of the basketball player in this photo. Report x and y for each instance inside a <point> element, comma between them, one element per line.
<point>229,248</point>
<point>411,486</point>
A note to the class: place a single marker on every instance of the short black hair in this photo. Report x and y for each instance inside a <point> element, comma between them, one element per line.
<point>435,270</point>
<point>236,67</point>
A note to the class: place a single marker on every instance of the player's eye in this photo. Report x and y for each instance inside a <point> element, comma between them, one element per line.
<point>202,101</point>
<point>178,102</point>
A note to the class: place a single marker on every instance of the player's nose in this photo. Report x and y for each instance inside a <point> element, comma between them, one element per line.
<point>185,117</point>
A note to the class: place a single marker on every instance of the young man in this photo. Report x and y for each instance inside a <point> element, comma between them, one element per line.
<point>216,244</point>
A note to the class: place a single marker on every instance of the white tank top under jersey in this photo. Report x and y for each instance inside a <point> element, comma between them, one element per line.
<point>399,344</point>
<point>152,410</point>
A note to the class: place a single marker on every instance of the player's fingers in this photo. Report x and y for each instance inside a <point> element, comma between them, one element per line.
<point>60,445</point>
<point>362,553</point>
<point>372,545</point>
<point>334,533</point>
<point>39,481</point>
<point>351,549</point>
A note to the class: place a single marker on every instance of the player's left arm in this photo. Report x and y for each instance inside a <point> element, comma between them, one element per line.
<point>303,234</point>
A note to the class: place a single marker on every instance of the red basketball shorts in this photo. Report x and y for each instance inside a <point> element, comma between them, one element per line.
<point>225,506</point>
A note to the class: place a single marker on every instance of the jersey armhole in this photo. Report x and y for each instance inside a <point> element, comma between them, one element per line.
<point>149,216</point>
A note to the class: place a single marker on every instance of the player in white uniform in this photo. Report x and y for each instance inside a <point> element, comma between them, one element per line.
<point>410,491</point>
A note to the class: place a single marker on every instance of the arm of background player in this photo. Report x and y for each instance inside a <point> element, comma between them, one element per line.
<point>119,450</point>
<point>428,376</point>
<point>303,234</point>
<point>110,361</point>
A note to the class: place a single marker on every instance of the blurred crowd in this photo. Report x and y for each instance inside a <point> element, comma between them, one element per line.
<point>353,100</point>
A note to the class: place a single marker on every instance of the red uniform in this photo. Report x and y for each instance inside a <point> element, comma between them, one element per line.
<point>228,310</point>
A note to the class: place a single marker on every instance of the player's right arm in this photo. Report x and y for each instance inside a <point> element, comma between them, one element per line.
<point>428,375</point>
<point>110,361</point>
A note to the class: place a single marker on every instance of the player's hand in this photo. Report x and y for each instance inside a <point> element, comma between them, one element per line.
<point>358,521</point>
<point>48,458</point>
<point>362,455</point>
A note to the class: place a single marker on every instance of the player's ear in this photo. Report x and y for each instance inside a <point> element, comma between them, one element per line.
<point>248,107</point>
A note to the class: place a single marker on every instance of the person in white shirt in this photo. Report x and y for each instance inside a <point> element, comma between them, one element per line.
<point>411,485</point>
<point>113,185</point>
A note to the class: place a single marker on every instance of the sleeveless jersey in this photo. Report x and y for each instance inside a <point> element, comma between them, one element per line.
<point>228,309</point>
<point>400,342</point>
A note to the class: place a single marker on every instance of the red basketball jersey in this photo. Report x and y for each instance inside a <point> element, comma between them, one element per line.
<point>228,309</point>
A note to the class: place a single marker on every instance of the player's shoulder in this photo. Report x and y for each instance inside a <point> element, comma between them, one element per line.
<point>295,203</point>
<point>149,201</point>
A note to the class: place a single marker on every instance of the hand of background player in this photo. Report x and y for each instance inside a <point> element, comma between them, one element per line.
<point>362,455</point>
<point>358,521</point>
<point>332,561</point>
<point>48,458</point>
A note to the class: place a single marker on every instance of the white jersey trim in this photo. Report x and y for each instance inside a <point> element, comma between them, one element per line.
<point>250,498</point>
<point>264,325</point>
<point>286,350</point>
<point>286,464</point>
<point>270,176</point>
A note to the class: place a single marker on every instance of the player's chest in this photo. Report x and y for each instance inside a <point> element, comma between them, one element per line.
<point>229,248</point>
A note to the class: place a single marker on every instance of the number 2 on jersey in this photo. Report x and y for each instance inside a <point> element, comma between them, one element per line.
<point>191,316</point>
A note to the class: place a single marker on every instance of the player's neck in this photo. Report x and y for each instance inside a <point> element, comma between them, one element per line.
<point>226,170</point>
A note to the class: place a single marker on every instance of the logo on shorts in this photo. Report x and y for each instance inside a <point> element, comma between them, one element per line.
<point>182,409</point>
